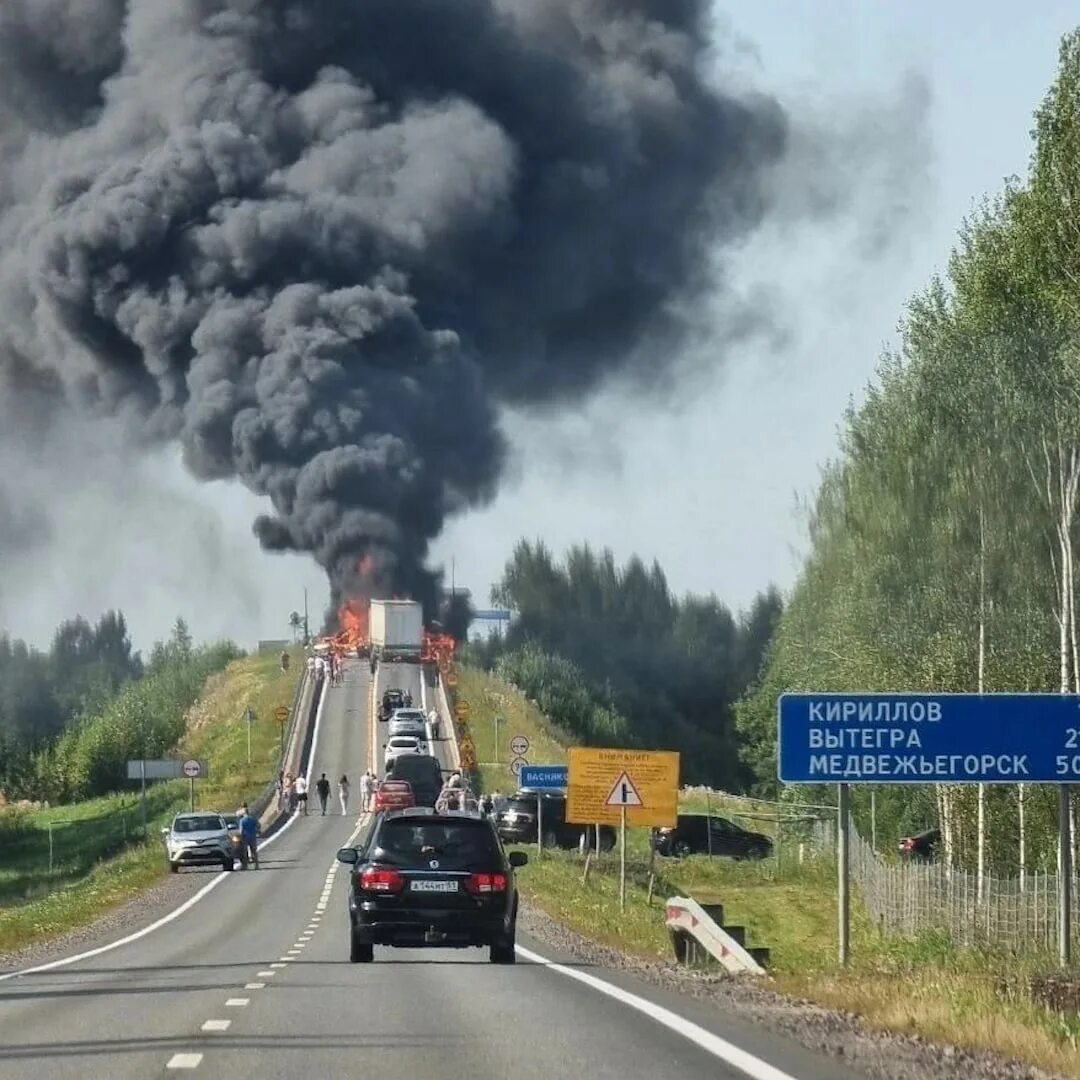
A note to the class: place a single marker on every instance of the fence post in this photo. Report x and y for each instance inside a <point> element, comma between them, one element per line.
<point>50,848</point>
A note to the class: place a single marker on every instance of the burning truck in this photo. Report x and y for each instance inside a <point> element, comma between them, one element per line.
<point>389,630</point>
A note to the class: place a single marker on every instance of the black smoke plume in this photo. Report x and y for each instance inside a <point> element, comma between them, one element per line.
<point>320,242</point>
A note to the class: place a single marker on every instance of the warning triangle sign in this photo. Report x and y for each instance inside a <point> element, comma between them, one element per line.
<point>623,793</point>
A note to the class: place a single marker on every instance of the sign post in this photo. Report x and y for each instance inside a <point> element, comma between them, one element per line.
<point>843,739</point>
<point>622,787</point>
<point>250,717</point>
<point>843,856</point>
<point>191,769</point>
<point>281,714</point>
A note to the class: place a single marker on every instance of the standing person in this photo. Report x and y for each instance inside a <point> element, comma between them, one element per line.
<point>433,719</point>
<point>322,787</point>
<point>343,794</point>
<point>365,792</point>
<point>280,785</point>
<point>249,836</point>
<point>284,659</point>
<point>300,787</point>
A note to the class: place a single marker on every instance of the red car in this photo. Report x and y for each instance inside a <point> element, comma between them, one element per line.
<point>394,795</point>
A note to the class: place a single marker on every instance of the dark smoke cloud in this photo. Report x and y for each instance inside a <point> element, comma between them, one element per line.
<point>319,243</point>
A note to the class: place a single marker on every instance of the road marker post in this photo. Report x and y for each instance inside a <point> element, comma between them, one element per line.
<point>622,860</point>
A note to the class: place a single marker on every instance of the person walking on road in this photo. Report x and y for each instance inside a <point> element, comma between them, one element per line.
<point>249,837</point>
<point>365,792</point>
<point>322,787</point>
<point>343,794</point>
<point>300,786</point>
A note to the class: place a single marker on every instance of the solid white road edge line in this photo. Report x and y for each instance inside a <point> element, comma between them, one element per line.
<point>713,1044</point>
<point>187,904</point>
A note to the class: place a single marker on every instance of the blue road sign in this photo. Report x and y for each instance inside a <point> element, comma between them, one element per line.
<point>929,738</point>
<point>542,776</point>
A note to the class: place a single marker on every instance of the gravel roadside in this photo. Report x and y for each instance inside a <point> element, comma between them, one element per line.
<point>129,917</point>
<point>881,1055</point>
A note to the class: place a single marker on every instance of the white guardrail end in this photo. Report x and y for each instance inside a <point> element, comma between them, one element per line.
<point>689,917</point>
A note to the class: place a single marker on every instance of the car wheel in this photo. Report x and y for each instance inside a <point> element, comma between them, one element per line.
<point>360,952</point>
<point>503,953</point>
<point>680,849</point>
<point>174,868</point>
<point>226,864</point>
<point>551,838</point>
<point>759,853</point>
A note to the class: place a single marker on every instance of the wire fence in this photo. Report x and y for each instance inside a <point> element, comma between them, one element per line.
<point>907,898</point>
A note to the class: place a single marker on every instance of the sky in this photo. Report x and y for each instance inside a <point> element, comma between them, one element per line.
<point>705,480</point>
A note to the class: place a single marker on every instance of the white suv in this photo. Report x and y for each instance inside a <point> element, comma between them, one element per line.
<point>197,839</point>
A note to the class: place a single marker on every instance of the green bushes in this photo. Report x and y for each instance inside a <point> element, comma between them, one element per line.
<point>562,692</point>
<point>146,718</point>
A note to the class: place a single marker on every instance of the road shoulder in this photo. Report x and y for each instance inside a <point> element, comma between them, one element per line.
<point>841,1036</point>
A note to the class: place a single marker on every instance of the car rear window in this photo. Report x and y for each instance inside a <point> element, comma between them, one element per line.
<point>417,766</point>
<point>457,845</point>
<point>198,824</point>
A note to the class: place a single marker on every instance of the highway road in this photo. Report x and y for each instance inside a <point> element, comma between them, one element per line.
<point>252,979</point>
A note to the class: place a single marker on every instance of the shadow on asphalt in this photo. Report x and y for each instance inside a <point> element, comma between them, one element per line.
<point>346,1040</point>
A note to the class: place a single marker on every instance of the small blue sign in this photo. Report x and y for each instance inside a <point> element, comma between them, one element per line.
<point>929,738</point>
<point>542,776</point>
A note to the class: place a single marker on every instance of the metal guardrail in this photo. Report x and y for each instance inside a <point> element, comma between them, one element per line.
<point>689,923</point>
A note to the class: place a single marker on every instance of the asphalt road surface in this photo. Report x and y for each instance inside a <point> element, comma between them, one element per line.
<point>252,979</point>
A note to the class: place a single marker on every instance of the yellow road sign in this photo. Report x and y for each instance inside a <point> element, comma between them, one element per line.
<point>462,709</point>
<point>451,679</point>
<point>601,783</point>
<point>281,714</point>
<point>467,751</point>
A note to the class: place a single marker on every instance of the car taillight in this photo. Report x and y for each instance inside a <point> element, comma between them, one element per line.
<point>485,884</point>
<point>381,879</point>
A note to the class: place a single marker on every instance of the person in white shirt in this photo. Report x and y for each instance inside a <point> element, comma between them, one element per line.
<point>366,789</point>
<point>300,787</point>
<point>343,794</point>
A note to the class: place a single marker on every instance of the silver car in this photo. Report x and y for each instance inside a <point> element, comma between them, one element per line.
<point>197,840</point>
<point>408,722</point>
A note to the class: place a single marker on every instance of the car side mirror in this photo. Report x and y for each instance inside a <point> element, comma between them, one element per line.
<point>518,858</point>
<point>348,855</point>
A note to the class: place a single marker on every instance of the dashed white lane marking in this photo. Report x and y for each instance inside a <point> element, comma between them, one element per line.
<point>216,1025</point>
<point>255,986</point>
<point>236,1003</point>
<point>265,974</point>
<point>184,1061</point>
<point>283,960</point>
<point>279,964</point>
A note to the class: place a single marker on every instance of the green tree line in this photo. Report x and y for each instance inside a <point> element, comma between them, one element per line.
<point>942,540</point>
<point>74,716</point>
<point>614,658</point>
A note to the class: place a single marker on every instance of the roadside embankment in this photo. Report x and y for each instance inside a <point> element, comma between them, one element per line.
<point>102,863</point>
<point>903,1008</point>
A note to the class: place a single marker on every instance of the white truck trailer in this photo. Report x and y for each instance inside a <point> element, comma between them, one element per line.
<point>396,629</point>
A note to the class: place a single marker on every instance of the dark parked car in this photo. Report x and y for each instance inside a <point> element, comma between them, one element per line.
<point>922,847</point>
<point>517,822</point>
<point>700,834</point>
<point>424,879</point>
<point>392,699</point>
<point>423,773</point>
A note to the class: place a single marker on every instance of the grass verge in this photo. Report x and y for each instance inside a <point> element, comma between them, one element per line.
<point>973,999</point>
<point>94,878</point>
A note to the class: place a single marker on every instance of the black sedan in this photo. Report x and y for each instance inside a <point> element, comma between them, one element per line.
<point>425,879</point>
<point>700,834</point>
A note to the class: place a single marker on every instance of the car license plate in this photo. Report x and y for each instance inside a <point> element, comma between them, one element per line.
<point>421,885</point>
